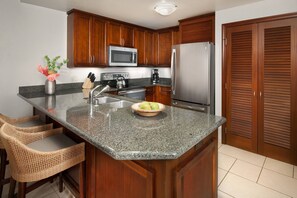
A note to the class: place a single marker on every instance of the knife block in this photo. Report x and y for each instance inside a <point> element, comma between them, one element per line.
<point>88,84</point>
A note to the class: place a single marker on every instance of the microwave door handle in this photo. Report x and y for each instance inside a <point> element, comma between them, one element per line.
<point>133,58</point>
<point>173,67</point>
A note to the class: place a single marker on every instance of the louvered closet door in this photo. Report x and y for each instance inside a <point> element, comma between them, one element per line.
<point>241,85</point>
<point>277,103</point>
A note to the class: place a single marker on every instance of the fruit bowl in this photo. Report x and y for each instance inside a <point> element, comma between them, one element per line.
<point>147,113</point>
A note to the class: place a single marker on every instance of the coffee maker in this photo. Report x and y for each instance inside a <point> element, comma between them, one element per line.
<point>155,76</point>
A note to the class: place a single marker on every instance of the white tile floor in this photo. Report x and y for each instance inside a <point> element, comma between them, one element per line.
<point>241,174</point>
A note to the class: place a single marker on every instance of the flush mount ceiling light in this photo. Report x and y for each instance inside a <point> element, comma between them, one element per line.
<point>165,8</point>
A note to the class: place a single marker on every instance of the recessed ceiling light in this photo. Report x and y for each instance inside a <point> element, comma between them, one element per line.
<point>165,8</point>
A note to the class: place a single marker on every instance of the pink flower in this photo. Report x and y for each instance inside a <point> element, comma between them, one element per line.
<point>43,70</point>
<point>52,77</point>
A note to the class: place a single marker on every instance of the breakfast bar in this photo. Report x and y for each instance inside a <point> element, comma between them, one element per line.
<point>173,154</point>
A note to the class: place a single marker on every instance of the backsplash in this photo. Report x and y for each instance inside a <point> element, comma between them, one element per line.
<point>79,74</point>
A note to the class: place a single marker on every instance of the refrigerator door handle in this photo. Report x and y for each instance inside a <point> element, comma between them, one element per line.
<point>173,65</point>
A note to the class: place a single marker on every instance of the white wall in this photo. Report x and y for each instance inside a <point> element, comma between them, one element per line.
<point>27,34</point>
<point>255,10</point>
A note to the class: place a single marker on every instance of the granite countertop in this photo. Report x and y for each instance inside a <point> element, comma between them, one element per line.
<point>124,135</point>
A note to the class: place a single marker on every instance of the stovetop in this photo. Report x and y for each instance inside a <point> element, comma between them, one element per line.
<point>111,78</point>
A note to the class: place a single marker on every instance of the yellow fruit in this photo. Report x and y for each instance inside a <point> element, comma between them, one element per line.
<point>154,106</point>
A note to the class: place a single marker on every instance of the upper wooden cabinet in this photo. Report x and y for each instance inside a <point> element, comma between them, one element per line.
<point>139,43</point>
<point>86,41</point>
<point>143,41</point>
<point>89,35</point>
<point>119,34</point>
<point>197,29</point>
<point>164,40</point>
<point>149,47</point>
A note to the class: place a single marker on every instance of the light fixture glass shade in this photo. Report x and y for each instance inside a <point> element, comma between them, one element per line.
<point>165,8</point>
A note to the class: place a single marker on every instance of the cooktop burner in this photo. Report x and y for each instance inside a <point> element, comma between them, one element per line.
<point>111,78</point>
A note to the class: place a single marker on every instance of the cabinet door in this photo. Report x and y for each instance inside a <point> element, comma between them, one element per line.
<point>127,36</point>
<point>198,177</point>
<point>114,34</point>
<point>139,44</point>
<point>175,37</point>
<point>198,29</point>
<point>164,48</point>
<point>99,42</point>
<point>150,94</point>
<point>241,87</point>
<point>163,95</point>
<point>149,48</point>
<point>278,89</point>
<point>79,37</point>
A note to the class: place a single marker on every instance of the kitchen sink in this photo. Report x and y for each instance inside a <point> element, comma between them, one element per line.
<point>120,104</point>
<point>106,99</point>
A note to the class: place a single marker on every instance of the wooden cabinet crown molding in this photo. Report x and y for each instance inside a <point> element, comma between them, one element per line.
<point>198,29</point>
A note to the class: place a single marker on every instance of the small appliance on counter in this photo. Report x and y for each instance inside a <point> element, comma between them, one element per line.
<point>120,81</point>
<point>155,76</point>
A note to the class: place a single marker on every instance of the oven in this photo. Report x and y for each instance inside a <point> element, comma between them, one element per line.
<point>138,93</point>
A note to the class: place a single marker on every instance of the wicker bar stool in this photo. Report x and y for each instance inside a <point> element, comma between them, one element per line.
<point>26,124</point>
<point>39,156</point>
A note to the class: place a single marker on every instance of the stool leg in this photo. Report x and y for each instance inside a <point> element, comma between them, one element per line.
<point>11,188</point>
<point>60,182</point>
<point>2,169</point>
<point>82,180</point>
<point>22,190</point>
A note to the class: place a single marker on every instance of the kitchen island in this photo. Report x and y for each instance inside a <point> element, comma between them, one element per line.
<point>171,155</point>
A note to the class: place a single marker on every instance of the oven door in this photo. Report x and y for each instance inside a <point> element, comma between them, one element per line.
<point>122,56</point>
<point>133,93</point>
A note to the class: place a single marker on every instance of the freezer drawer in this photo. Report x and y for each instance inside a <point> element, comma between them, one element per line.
<point>192,106</point>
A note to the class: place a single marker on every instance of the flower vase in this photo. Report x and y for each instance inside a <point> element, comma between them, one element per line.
<point>50,87</point>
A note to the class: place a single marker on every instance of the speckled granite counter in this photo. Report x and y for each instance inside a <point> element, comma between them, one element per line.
<point>124,135</point>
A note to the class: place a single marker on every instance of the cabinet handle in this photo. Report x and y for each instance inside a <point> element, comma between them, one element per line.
<point>260,94</point>
<point>93,59</point>
<point>254,93</point>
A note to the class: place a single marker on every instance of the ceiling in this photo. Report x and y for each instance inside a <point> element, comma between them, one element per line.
<point>141,12</point>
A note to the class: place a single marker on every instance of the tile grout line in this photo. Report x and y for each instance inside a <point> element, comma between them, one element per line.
<point>261,185</point>
<point>261,170</point>
<point>226,193</point>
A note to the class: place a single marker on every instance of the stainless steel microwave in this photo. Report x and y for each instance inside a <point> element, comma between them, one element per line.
<point>122,56</point>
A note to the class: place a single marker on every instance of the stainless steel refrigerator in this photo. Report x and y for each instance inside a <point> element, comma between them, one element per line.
<point>192,73</point>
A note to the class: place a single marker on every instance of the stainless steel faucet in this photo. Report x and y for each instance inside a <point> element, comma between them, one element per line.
<point>92,98</point>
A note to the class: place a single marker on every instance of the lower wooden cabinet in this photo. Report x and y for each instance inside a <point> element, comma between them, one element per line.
<point>150,94</point>
<point>192,175</point>
<point>161,94</point>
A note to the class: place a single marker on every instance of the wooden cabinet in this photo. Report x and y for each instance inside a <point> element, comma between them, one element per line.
<point>139,43</point>
<point>120,34</point>
<point>86,45</point>
<point>158,93</point>
<point>198,29</point>
<point>150,94</point>
<point>194,173</point>
<point>260,97</point>
<point>143,41</point>
<point>164,39</point>
<point>163,95</point>
<point>149,47</point>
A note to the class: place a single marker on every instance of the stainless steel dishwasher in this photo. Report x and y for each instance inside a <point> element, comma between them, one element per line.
<point>138,93</point>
